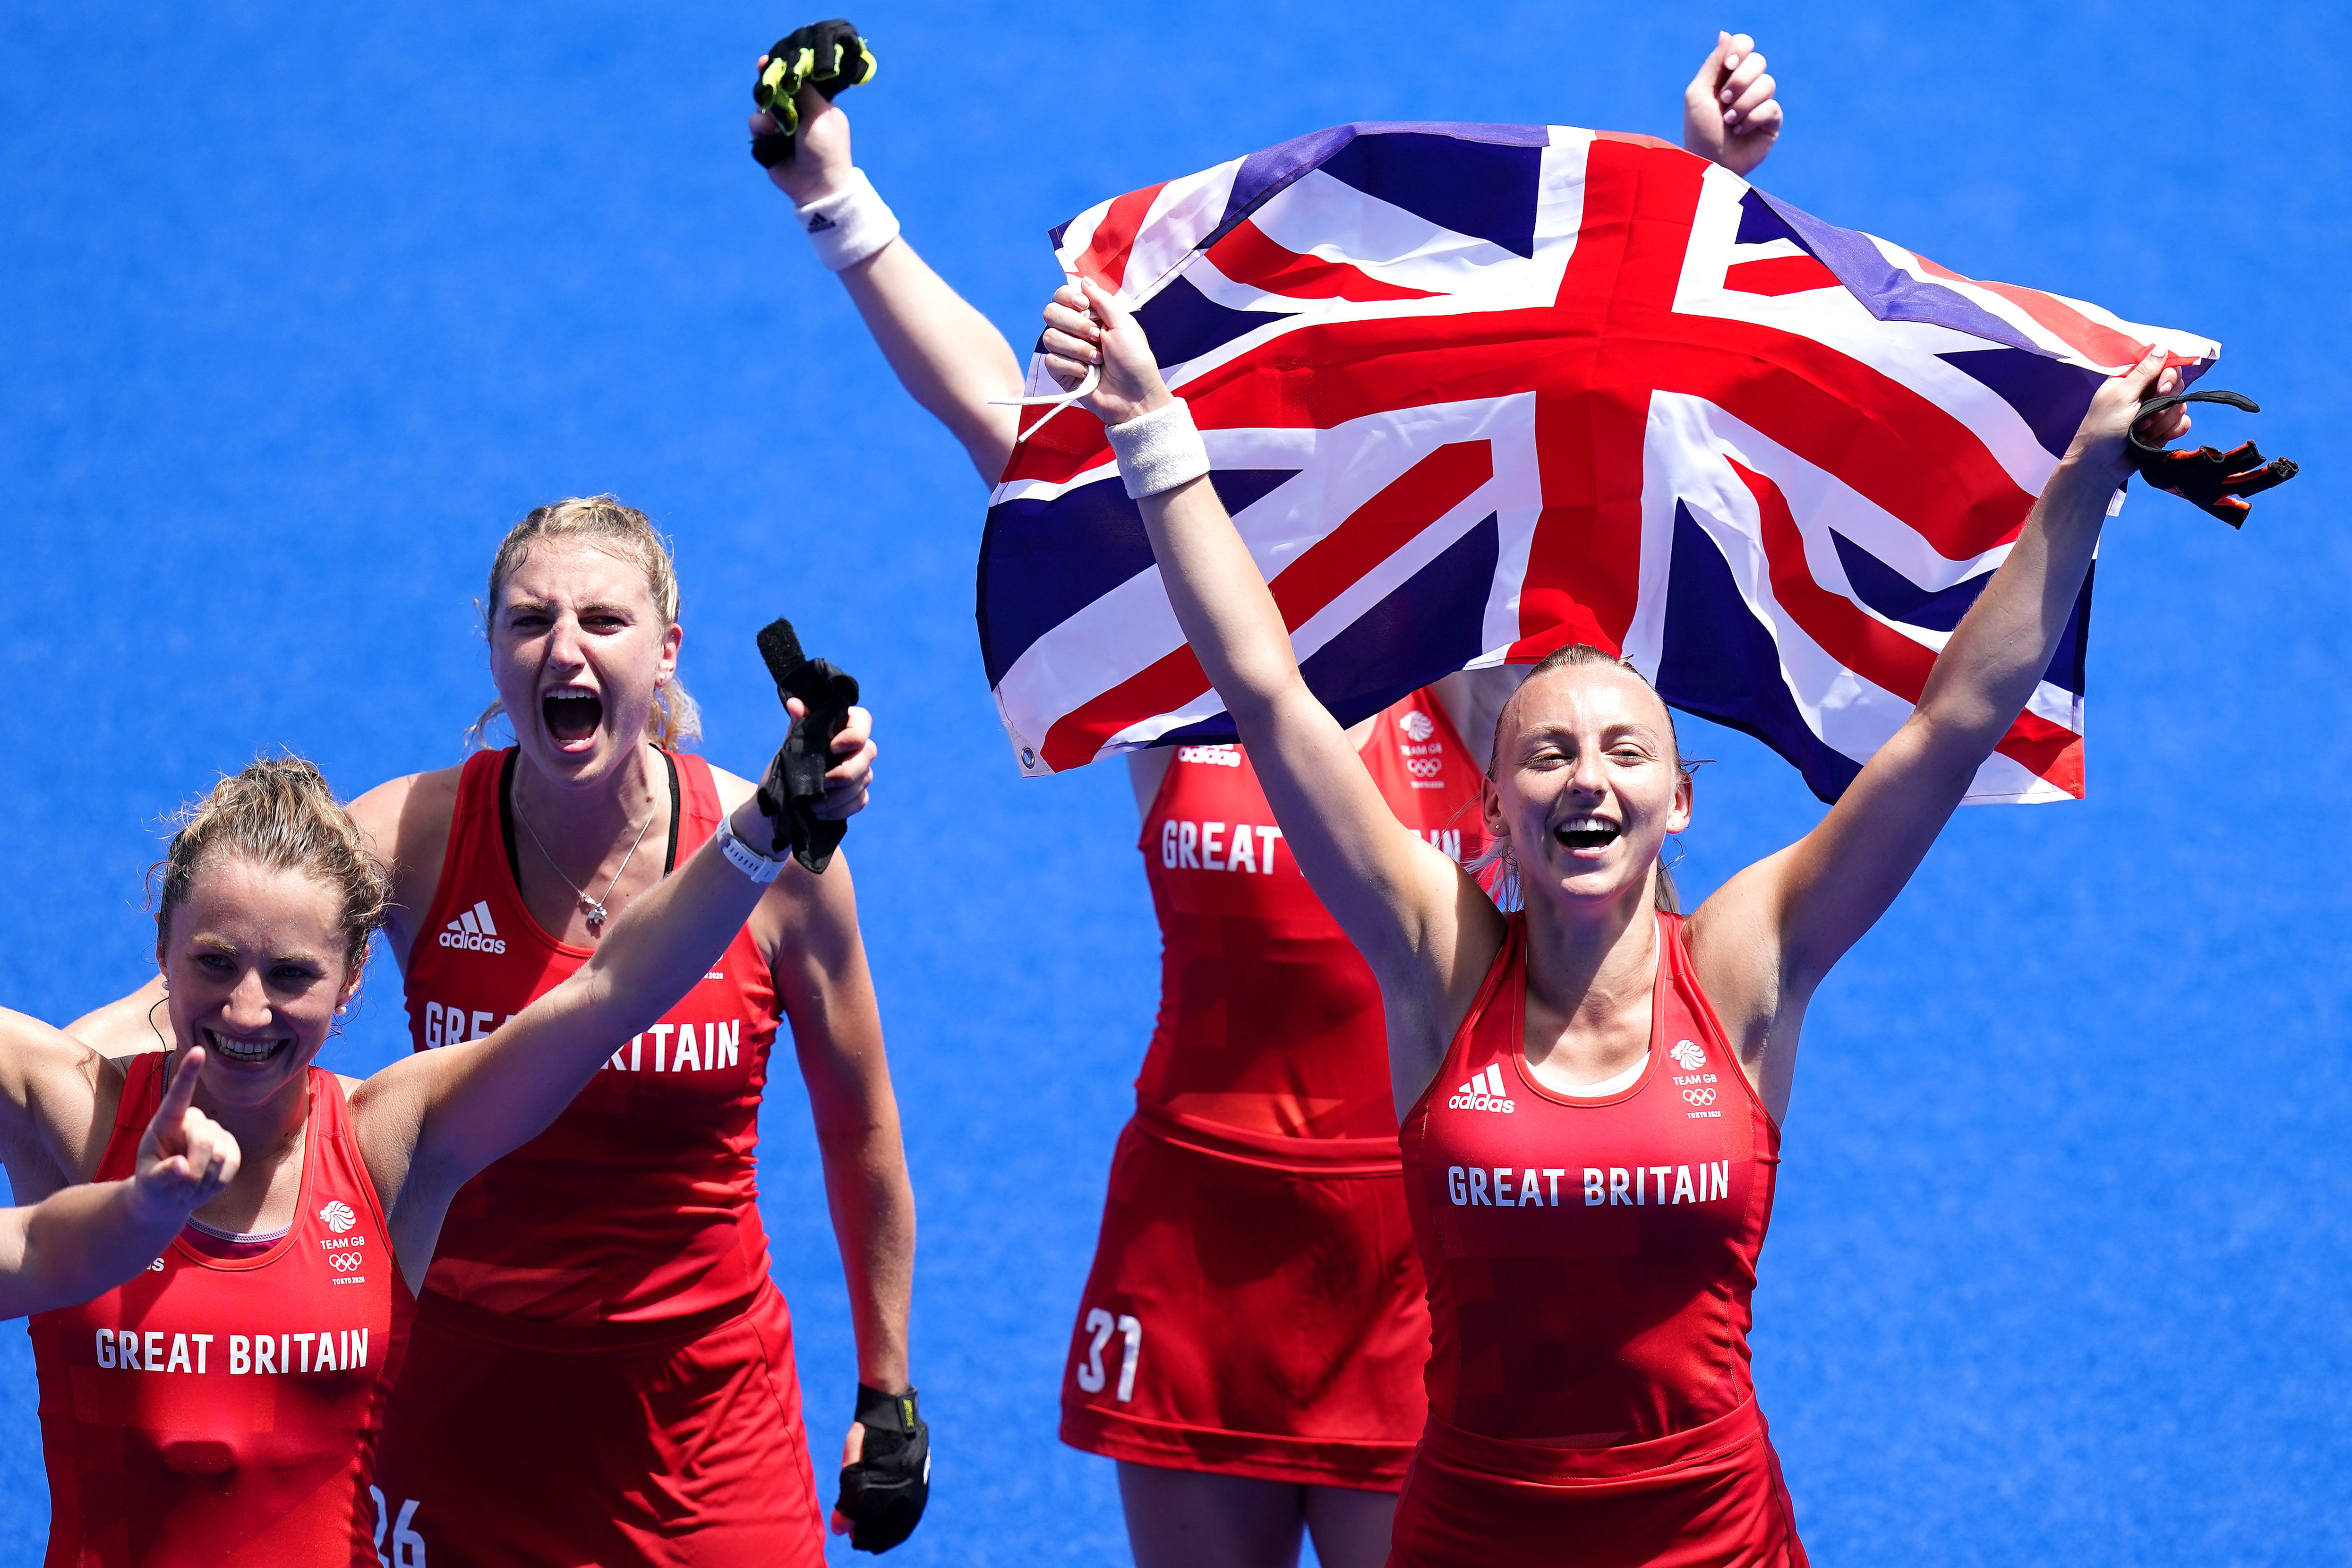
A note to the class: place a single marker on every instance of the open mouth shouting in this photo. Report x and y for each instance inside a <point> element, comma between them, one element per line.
<point>1587,832</point>
<point>243,1051</point>
<point>572,714</point>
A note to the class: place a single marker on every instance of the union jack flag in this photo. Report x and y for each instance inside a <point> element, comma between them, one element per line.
<point>1472,392</point>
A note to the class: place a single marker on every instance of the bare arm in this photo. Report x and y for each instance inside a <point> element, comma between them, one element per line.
<point>83,1241</point>
<point>1473,701</point>
<point>1766,939</point>
<point>821,978</point>
<point>1419,922</point>
<point>947,355</point>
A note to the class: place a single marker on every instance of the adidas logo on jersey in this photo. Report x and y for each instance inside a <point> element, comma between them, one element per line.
<point>1483,1092</point>
<point>1225,756</point>
<point>475,931</point>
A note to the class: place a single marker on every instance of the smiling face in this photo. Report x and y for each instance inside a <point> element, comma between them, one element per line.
<point>578,649</point>
<point>1586,785</point>
<point>256,960</point>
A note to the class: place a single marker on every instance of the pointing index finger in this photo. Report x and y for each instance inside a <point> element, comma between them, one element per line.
<point>181,1092</point>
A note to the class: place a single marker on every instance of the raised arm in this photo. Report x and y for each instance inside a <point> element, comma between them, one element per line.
<point>948,355</point>
<point>82,1241</point>
<point>1769,935</point>
<point>1412,913</point>
<point>429,1121</point>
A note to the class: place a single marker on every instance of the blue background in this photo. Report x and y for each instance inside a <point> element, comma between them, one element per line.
<point>300,307</point>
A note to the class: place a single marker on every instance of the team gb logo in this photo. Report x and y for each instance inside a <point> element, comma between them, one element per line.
<point>1689,1054</point>
<point>339,1216</point>
<point>1417,725</point>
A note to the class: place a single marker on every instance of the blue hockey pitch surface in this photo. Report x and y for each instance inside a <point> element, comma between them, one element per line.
<point>303,307</point>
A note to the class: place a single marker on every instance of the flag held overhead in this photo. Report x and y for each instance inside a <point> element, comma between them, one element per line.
<point>1472,392</point>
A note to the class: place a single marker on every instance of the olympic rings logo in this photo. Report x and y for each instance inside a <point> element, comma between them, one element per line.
<point>1424,767</point>
<point>1699,1095</point>
<point>344,1262</point>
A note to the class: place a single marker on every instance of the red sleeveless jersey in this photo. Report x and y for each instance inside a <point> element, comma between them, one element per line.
<point>216,1410</point>
<point>1270,1021</point>
<point>1589,1262</point>
<point>639,1203</point>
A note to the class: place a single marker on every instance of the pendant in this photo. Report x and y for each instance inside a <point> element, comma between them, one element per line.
<point>596,913</point>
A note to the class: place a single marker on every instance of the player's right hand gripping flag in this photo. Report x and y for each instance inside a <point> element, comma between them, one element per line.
<point>1472,392</point>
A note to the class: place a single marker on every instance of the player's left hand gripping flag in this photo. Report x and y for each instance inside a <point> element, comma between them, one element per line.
<point>1472,392</point>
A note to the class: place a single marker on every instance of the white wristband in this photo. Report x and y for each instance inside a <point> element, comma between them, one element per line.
<point>1159,450</point>
<point>850,225</point>
<point>744,859</point>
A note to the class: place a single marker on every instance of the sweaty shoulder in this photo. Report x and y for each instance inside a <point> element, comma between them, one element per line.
<point>407,823</point>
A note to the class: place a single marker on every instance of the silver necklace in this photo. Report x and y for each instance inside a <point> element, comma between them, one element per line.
<point>592,908</point>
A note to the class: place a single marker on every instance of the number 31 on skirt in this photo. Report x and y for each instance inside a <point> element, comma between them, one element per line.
<point>1102,1325</point>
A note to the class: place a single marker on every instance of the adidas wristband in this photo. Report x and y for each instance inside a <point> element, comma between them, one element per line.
<point>850,225</point>
<point>1159,450</point>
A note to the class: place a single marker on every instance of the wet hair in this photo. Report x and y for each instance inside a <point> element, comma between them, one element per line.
<point>278,814</point>
<point>602,523</point>
<point>1498,852</point>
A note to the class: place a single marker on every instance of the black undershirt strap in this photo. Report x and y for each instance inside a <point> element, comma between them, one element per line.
<point>669,860</point>
<point>507,814</point>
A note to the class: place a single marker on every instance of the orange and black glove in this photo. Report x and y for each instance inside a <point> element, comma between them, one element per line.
<point>2218,481</point>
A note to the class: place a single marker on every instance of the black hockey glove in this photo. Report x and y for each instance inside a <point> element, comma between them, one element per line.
<point>883,1494</point>
<point>2218,481</point>
<point>827,56</point>
<point>796,781</point>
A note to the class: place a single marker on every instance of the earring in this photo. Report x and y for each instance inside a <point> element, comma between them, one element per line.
<point>342,1008</point>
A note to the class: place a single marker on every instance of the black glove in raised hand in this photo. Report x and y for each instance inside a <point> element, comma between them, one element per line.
<point>827,56</point>
<point>2218,481</point>
<point>796,781</point>
<point>883,1494</point>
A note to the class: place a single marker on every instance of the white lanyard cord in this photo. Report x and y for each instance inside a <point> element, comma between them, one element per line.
<point>1092,380</point>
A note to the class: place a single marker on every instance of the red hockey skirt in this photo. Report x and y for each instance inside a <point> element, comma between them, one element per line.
<point>1251,1312</point>
<point>667,1443</point>
<point>1708,1498</point>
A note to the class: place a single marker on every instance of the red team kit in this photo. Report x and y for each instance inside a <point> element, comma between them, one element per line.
<point>1255,1307</point>
<point>1518,1315</point>
<point>598,1330</point>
